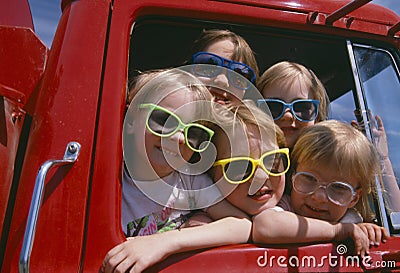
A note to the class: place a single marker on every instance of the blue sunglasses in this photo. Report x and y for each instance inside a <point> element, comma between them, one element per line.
<point>213,67</point>
<point>302,110</point>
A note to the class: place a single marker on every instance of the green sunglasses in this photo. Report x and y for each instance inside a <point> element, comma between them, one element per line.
<point>237,170</point>
<point>163,123</point>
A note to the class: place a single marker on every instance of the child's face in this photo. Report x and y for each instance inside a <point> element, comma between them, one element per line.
<point>317,205</point>
<point>270,187</point>
<point>290,126</point>
<point>224,49</point>
<point>166,154</point>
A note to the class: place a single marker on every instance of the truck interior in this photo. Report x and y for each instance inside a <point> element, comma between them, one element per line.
<point>326,56</point>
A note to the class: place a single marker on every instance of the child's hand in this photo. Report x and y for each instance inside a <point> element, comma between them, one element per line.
<point>378,132</point>
<point>375,233</point>
<point>360,238</point>
<point>136,254</point>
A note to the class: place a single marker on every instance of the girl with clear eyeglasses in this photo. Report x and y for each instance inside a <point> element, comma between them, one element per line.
<point>332,173</point>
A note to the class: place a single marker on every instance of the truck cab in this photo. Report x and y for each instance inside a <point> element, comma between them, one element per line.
<point>62,111</point>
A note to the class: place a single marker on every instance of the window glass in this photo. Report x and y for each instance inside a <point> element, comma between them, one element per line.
<point>342,108</point>
<point>382,92</point>
<point>381,89</point>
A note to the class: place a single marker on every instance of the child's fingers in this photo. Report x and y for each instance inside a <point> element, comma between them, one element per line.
<point>361,241</point>
<point>379,123</point>
<point>385,234</point>
<point>369,232</point>
<point>114,262</point>
<point>374,235</point>
<point>362,247</point>
<point>381,234</point>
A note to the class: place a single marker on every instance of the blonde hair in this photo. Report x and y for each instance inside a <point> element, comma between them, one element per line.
<point>152,86</point>
<point>242,52</point>
<point>333,143</point>
<point>286,73</point>
<point>140,80</point>
<point>246,114</point>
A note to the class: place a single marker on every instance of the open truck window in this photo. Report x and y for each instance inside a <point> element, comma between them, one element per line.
<point>162,42</point>
<point>75,92</point>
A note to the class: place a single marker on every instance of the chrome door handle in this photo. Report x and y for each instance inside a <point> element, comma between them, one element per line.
<point>70,156</point>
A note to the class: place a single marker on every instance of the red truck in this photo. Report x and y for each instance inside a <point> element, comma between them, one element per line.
<point>62,111</point>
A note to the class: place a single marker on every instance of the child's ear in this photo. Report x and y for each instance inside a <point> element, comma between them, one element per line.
<point>356,198</point>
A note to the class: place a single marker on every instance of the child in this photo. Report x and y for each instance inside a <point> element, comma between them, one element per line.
<point>249,131</point>
<point>238,66</point>
<point>333,170</point>
<point>160,139</point>
<point>289,85</point>
<point>263,160</point>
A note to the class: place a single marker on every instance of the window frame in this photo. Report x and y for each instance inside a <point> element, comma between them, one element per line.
<point>389,219</point>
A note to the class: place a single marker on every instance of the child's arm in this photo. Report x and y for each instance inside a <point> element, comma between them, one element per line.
<point>389,179</point>
<point>225,209</point>
<point>139,253</point>
<point>215,212</point>
<point>267,228</point>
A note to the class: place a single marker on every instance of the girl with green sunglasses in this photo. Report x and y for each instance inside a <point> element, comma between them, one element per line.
<point>165,130</point>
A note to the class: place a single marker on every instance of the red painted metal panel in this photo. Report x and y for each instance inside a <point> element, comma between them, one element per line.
<point>22,64</point>
<point>108,153</point>
<point>11,120</point>
<point>81,98</point>
<point>23,58</point>
<point>368,19</point>
<point>16,13</point>
<point>326,257</point>
<point>66,111</point>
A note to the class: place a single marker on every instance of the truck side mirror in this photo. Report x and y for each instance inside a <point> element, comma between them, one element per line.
<point>23,59</point>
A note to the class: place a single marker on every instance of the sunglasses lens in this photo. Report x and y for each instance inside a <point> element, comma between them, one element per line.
<point>204,58</point>
<point>162,122</point>
<point>305,110</point>
<point>198,138</point>
<point>276,108</point>
<point>339,193</point>
<point>244,71</point>
<point>211,67</point>
<point>238,170</point>
<point>276,163</point>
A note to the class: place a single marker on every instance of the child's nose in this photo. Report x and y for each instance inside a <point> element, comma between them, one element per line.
<point>287,115</point>
<point>320,195</point>
<point>259,179</point>
<point>179,136</point>
<point>221,80</point>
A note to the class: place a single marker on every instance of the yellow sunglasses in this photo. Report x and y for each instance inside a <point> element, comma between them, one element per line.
<point>237,170</point>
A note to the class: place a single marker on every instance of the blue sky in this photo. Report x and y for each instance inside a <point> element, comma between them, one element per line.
<point>46,14</point>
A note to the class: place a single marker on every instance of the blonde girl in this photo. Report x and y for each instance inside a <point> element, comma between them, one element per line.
<point>333,170</point>
<point>295,97</point>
